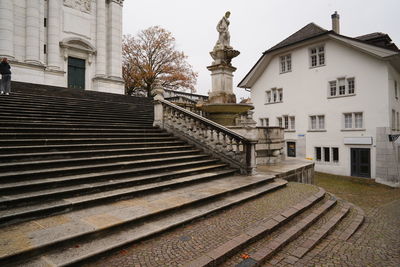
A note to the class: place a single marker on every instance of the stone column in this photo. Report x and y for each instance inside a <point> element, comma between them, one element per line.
<point>32,35</point>
<point>115,38</point>
<point>101,39</point>
<point>53,31</point>
<point>6,28</point>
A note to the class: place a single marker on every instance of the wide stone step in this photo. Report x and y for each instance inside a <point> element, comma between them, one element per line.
<point>78,129</point>
<point>63,199</point>
<point>13,176</point>
<point>65,118</point>
<point>150,173</point>
<point>70,125</point>
<point>65,162</point>
<point>73,102</point>
<point>43,156</point>
<point>80,135</point>
<point>27,148</point>
<point>87,140</point>
<point>81,112</point>
<point>86,236</point>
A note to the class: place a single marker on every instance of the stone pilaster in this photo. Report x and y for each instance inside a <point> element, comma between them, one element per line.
<point>53,38</point>
<point>101,40</point>
<point>115,39</point>
<point>32,35</point>
<point>6,29</point>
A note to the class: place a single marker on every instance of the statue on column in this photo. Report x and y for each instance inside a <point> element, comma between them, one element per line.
<point>224,38</point>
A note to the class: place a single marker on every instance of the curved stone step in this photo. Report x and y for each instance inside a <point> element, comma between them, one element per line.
<point>219,254</point>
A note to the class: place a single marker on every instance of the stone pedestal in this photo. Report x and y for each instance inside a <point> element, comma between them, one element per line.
<point>222,83</point>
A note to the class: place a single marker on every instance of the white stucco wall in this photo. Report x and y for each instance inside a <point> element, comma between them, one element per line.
<point>305,93</point>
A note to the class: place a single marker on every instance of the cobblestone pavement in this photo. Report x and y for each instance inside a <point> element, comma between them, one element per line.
<point>187,243</point>
<point>377,242</point>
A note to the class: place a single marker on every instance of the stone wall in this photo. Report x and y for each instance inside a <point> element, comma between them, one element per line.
<point>303,175</point>
<point>387,158</point>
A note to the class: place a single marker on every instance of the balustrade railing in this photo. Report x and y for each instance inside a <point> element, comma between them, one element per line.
<point>214,138</point>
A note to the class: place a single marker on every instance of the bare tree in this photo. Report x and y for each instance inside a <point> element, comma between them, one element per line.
<point>151,58</point>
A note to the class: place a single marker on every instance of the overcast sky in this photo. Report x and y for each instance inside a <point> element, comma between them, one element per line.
<point>256,25</point>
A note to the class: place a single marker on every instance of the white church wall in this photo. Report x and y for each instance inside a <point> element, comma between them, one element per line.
<point>71,20</point>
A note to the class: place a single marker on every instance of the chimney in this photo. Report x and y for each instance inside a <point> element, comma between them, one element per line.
<point>335,23</point>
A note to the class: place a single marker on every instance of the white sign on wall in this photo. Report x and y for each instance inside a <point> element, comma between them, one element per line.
<point>357,140</point>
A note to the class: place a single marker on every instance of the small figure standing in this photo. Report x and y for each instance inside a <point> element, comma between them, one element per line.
<point>224,38</point>
<point>5,71</point>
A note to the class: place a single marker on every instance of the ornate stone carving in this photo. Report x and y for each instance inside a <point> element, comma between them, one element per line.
<point>82,5</point>
<point>121,2</point>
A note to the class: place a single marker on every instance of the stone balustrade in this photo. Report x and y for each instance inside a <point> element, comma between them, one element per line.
<point>213,138</point>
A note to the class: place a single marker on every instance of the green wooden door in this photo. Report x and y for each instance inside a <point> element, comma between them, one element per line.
<point>76,73</point>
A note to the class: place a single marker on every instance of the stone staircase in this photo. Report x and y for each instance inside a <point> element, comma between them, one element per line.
<point>86,173</point>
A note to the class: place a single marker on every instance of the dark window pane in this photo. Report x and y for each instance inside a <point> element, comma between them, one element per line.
<point>318,153</point>
<point>335,154</point>
<point>326,154</point>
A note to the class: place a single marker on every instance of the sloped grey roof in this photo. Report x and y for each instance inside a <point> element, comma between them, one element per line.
<point>309,31</point>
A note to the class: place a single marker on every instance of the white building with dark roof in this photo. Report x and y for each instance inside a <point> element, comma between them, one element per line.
<point>67,43</point>
<point>337,98</point>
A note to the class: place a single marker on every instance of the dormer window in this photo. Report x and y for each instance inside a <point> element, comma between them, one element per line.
<point>317,56</point>
<point>286,63</point>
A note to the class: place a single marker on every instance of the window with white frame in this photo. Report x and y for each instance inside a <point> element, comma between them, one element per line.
<point>279,121</point>
<point>317,56</point>
<point>398,121</point>
<point>332,88</point>
<point>286,63</point>
<point>342,87</point>
<point>350,86</point>
<point>393,119</point>
<point>292,121</point>
<point>274,96</point>
<point>326,154</point>
<point>264,122</point>
<point>280,95</point>
<point>286,122</point>
<point>289,122</point>
<point>353,120</point>
<point>396,91</point>
<point>317,122</point>
<point>268,96</point>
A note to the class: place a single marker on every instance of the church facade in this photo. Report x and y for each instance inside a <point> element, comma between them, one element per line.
<point>68,43</point>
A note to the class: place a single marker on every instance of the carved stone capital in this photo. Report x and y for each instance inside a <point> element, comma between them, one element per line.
<point>120,2</point>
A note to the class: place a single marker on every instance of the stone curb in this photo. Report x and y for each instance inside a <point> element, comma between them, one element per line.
<point>219,254</point>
